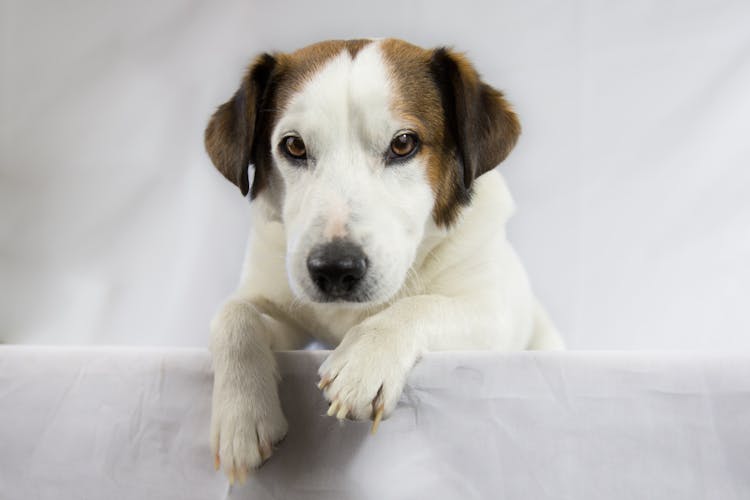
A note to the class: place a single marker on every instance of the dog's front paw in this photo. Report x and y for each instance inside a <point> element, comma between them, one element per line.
<point>364,377</point>
<point>244,430</point>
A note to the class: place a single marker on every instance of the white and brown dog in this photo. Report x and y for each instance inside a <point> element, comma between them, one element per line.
<point>378,227</point>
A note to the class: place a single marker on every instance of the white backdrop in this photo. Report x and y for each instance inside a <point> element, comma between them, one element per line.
<point>632,175</point>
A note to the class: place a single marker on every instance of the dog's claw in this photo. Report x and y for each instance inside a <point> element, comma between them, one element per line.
<point>230,475</point>
<point>242,475</point>
<point>265,451</point>
<point>377,418</point>
<point>333,408</point>
<point>324,383</point>
<point>217,462</point>
<point>343,411</point>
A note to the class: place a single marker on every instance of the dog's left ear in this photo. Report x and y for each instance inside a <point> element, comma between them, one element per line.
<point>480,120</point>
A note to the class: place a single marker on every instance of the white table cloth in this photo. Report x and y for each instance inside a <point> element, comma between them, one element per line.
<point>132,423</point>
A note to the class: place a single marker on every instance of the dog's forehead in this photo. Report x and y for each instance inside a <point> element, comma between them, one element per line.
<point>300,67</point>
<point>364,73</point>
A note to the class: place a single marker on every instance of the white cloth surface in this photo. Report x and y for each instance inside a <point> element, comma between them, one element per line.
<point>132,423</point>
<point>631,175</point>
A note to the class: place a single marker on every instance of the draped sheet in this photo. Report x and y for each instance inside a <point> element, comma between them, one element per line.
<point>132,423</point>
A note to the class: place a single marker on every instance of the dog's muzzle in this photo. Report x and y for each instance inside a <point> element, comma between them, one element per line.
<point>337,268</point>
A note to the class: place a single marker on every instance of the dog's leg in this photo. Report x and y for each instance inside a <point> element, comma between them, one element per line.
<point>246,416</point>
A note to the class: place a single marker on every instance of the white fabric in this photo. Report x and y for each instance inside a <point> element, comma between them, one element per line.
<point>133,424</point>
<point>631,176</point>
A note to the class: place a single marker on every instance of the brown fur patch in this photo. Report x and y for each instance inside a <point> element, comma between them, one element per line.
<point>466,126</point>
<point>418,101</point>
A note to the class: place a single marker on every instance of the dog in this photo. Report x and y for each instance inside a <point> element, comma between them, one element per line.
<point>378,227</point>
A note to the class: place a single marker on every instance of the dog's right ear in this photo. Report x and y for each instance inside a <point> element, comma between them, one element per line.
<point>232,135</point>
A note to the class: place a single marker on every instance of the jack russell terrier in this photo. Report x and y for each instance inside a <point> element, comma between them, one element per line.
<point>378,227</point>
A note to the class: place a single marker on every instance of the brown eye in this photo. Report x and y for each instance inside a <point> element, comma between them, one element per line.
<point>295,147</point>
<point>403,145</point>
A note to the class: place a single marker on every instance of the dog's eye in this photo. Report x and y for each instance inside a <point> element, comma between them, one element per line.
<point>294,147</point>
<point>403,145</point>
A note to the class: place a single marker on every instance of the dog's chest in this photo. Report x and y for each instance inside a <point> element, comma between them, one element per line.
<point>329,323</point>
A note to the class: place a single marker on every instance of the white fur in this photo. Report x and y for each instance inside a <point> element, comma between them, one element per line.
<point>431,288</point>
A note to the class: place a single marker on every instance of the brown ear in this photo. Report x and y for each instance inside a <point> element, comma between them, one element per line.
<point>232,135</point>
<point>478,118</point>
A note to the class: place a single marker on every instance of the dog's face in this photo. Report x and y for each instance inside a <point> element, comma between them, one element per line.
<point>358,146</point>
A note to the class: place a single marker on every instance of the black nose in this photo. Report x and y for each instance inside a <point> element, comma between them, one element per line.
<point>337,267</point>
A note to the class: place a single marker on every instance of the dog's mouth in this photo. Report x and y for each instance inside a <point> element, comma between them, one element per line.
<point>353,299</point>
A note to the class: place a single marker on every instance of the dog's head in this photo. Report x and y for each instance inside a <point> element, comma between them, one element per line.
<point>357,147</point>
